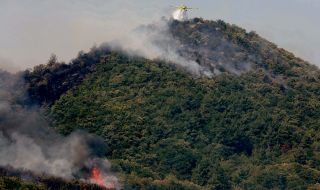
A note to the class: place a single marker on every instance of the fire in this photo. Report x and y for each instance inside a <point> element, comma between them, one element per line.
<point>99,179</point>
<point>96,177</point>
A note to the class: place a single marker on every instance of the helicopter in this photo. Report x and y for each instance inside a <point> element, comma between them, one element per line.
<point>181,12</point>
<point>184,8</point>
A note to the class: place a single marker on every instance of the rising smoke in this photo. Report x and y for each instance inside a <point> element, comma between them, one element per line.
<point>156,42</point>
<point>27,142</point>
<point>7,65</point>
<point>180,15</point>
<point>189,45</point>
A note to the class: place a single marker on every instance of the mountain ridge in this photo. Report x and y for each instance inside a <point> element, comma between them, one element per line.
<point>249,47</point>
<point>166,129</point>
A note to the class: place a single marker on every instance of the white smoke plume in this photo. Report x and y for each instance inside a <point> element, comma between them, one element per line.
<point>181,15</point>
<point>155,42</point>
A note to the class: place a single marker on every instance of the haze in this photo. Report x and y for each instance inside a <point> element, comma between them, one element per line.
<point>31,30</point>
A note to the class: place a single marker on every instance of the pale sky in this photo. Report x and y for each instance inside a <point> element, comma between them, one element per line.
<point>31,30</point>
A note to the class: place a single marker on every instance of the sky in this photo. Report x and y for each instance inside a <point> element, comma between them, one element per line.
<point>31,30</point>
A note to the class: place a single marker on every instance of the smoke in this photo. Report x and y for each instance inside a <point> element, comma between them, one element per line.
<point>156,42</point>
<point>62,159</point>
<point>27,142</point>
<point>8,65</point>
<point>189,45</point>
<point>180,15</point>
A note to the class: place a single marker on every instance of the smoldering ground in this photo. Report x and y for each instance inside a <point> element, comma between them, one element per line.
<point>27,141</point>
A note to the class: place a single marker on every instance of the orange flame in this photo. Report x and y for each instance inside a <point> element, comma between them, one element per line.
<point>98,179</point>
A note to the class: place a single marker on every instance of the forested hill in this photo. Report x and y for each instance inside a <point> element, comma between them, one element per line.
<point>215,45</point>
<point>253,125</point>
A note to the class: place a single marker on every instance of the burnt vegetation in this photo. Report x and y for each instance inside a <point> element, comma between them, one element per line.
<point>20,179</point>
<point>47,82</point>
<point>251,127</point>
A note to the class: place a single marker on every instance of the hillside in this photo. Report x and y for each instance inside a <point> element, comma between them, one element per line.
<point>253,125</point>
<point>15,179</point>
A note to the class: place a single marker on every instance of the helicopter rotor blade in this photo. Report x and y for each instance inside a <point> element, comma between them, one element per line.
<point>174,6</point>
